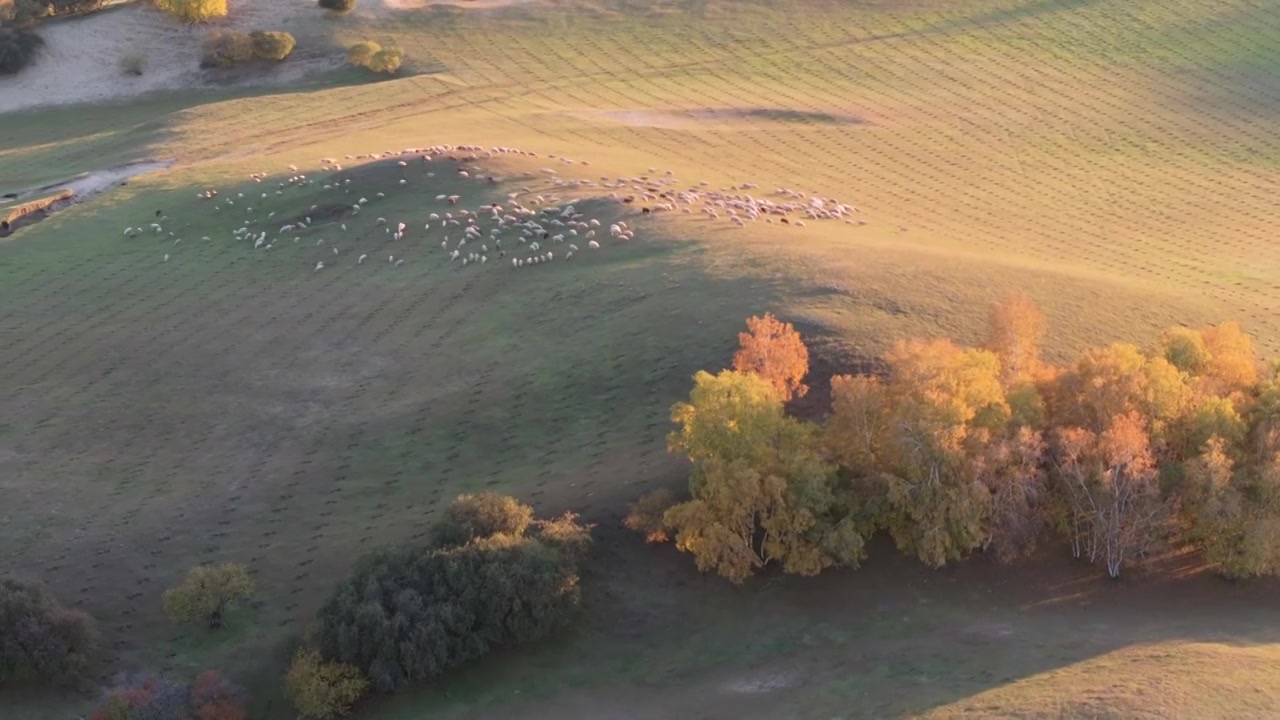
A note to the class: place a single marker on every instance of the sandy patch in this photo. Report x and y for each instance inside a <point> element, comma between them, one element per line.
<point>81,59</point>
<point>675,119</point>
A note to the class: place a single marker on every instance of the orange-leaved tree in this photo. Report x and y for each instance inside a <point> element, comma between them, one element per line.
<point>773,350</point>
<point>1013,334</point>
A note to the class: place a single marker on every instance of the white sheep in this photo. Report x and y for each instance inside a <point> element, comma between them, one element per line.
<point>362,259</point>
<point>593,245</point>
<point>319,266</point>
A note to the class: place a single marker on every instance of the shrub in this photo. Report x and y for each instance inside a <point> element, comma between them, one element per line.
<point>133,63</point>
<point>410,613</point>
<point>148,696</point>
<point>645,515</point>
<point>194,11</point>
<point>207,593</point>
<point>387,60</point>
<point>320,689</point>
<point>270,45</point>
<point>372,56</point>
<point>338,5</point>
<point>225,49</point>
<point>477,516</point>
<point>40,640</point>
<point>362,52</point>
<point>25,13</point>
<point>17,49</point>
<point>213,697</point>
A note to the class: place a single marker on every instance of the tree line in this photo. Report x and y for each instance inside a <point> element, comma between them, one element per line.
<point>954,450</point>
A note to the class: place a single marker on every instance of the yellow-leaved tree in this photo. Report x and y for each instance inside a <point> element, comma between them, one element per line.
<point>761,491</point>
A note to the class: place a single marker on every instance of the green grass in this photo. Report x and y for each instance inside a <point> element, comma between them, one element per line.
<point>1113,159</point>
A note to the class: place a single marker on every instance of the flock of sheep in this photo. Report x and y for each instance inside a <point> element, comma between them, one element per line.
<point>540,229</point>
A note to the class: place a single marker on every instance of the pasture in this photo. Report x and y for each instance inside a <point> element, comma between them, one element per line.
<point>173,403</point>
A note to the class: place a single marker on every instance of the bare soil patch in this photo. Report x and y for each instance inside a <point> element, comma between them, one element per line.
<point>69,192</point>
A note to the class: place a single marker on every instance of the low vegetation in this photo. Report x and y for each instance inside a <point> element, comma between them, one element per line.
<point>149,696</point>
<point>491,577</point>
<point>194,11</point>
<point>133,63</point>
<point>322,690</point>
<point>372,56</point>
<point>41,642</point>
<point>207,593</point>
<point>338,6</point>
<point>18,49</point>
<point>988,448</point>
<point>271,45</point>
<point>229,48</point>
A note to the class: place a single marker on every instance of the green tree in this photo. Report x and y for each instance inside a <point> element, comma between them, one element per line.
<point>40,640</point>
<point>322,690</point>
<point>411,613</point>
<point>1234,511</point>
<point>207,593</point>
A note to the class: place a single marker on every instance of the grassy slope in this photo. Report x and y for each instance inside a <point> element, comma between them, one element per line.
<point>1114,160</point>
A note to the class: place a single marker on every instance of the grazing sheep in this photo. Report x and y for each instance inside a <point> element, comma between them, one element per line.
<point>593,245</point>
<point>319,266</point>
<point>362,259</point>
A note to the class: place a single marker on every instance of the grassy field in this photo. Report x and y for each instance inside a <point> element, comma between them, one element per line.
<point>1119,161</point>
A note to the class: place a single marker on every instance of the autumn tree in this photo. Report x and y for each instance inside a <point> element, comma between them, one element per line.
<point>1014,331</point>
<point>477,516</point>
<point>207,593</point>
<point>946,403</point>
<point>1013,470</point>
<point>214,697</point>
<point>761,491</point>
<point>646,513</point>
<point>1114,509</point>
<point>855,432</point>
<point>773,350</point>
<point>1234,510</point>
<point>322,690</point>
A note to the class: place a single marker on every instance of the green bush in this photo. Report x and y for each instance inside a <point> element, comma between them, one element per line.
<point>338,5</point>
<point>225,49</point>
<point>271,45</point>
<point>18,48</point>
<point>40,640</point>
<point>410,613</point>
